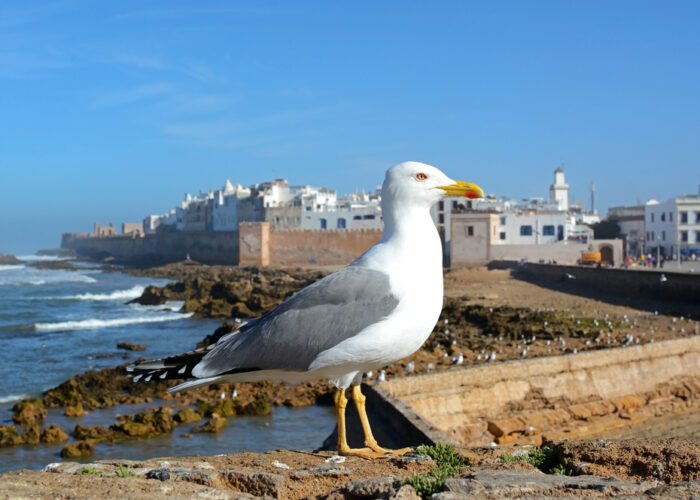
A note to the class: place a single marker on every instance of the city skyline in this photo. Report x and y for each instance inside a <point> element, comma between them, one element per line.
<point>114,111</point>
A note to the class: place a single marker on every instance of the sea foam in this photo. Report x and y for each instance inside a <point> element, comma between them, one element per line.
<point>130,293</point>
<point>96,324</point>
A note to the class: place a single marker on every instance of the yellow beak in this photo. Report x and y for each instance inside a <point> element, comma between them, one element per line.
<point>461,188</point>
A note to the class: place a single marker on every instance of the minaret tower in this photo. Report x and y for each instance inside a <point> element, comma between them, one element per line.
<point>559,191</point>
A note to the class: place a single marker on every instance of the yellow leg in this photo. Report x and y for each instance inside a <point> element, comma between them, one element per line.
<point>341,403</point>
<point>370,442</point>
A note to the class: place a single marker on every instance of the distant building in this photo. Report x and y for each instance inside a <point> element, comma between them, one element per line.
<point>132,228</point>
<point>104,230</point>
<point>673,225</point>
<point>559,191</point>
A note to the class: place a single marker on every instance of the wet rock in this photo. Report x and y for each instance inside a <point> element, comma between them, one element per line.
<point>187,416</point>
<point>259,406</point>
<point>29,412</point>
<point>75,411</point>
<point>9,260</point>
<point>151,296</point>
<point>53,434</point>
<point>78,449</point>
<point>31,434</point>
<point>223,407</point>
<point>214,424</point>
<point>128,346</point>
<point>9,436</point>
<point>54,264</point>
<point>95,433</point>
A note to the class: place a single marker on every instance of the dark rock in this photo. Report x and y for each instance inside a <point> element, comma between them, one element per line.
<point>29,412</point>
<point>54,264</point>
<point>214,424</point>
<point>53,434</point>
<point>259,406</point>
<point>78,449</point>
<point>9,260</point>
<point>187,416</point>
<point>9,436</point>
<point>160,474</point>
<point>95,433</point>
<point>131,347</point>
<point>75,411</point>
<point>31,434</point>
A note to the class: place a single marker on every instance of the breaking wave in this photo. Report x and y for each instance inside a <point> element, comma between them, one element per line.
<point>130,293</point>
<point>11,267</point>
<point>96,324</point>
<point>11,398</point>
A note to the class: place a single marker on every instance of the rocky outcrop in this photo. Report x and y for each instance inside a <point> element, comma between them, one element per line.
<point>29,412</point>
<point>53,434</point>
<point>322,475</point>
<point>9,260</point>
<point>54,264</point>
<point>226,292</point>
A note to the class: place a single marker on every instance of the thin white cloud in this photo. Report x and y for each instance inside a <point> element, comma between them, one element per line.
<point>195,11</point>
<point>136,94</point>
<point>141,61</point>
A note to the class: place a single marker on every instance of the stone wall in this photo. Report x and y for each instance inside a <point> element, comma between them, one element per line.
<point>655,284</point>
<point>219,247</point>
<point>303,247</point>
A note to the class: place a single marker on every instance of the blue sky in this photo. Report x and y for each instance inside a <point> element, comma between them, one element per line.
<point>113,110</point>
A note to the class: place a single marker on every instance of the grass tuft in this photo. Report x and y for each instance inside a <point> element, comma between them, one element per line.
<point>544,459</point>
<point>448,462</point>
<point>124,472</point>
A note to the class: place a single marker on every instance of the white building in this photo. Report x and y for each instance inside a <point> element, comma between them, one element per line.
<point>630,220</point>
<point>352,211</point>
<point>531,228</point>
<point>559,191</point>
<point>224,212</point>
<point>672,225</point>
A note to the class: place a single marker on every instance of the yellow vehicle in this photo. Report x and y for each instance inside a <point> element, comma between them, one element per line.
<point>590,258</point>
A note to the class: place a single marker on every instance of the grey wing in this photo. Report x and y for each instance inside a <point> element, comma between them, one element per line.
<point>313,320</point>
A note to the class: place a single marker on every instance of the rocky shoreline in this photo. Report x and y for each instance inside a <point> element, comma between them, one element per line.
<point>487,318</point>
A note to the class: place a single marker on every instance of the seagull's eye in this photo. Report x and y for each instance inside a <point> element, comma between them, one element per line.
<point>421,176</point>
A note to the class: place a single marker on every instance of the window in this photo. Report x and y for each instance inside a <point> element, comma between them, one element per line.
<point>684,236</point>
<point>663,235</point>
<point>357,217</point>
<point>663,216</point>
<point>697,236</point>
<point>653,236</point>
<point>684,217</point>
<point>441,206</point>
<point>503,221</point>
<point>323,223</point>
<point>470,230</point>
<point>548,230</point>
<point>526,230</point>
<point>697,217</point>
<point>502,235</point>
<point>341,223</point>
<point>441,218</point>
<point>670,216</point>
<point>652,217</point>
<point>560,232</point>
<point>368,217</point>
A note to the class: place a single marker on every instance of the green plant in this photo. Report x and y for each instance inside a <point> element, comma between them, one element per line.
<point>124,472</point>
<point>91,471</point>
<point>545,459</point>
<point>448,462</point>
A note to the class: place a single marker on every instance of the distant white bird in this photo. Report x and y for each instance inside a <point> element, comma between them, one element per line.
<point>492,357</point>
<point>410,366</point>
<point>382,376</point>
<point>458,360</point>
<point>374,312</point>
<point>663,278</point>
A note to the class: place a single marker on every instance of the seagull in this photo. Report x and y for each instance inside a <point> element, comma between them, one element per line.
<point>374,312</point>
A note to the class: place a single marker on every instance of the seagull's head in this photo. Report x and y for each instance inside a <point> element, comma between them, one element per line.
<point>421,184</point>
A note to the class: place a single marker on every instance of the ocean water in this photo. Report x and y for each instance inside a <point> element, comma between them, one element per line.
<point>55,324</point>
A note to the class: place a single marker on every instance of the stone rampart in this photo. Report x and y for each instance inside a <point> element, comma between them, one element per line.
<point>220,247</point>
<point>656,284</point>
<point>303,247</point>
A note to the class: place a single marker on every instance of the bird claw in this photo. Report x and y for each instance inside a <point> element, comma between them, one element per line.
<point>387,452</point>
